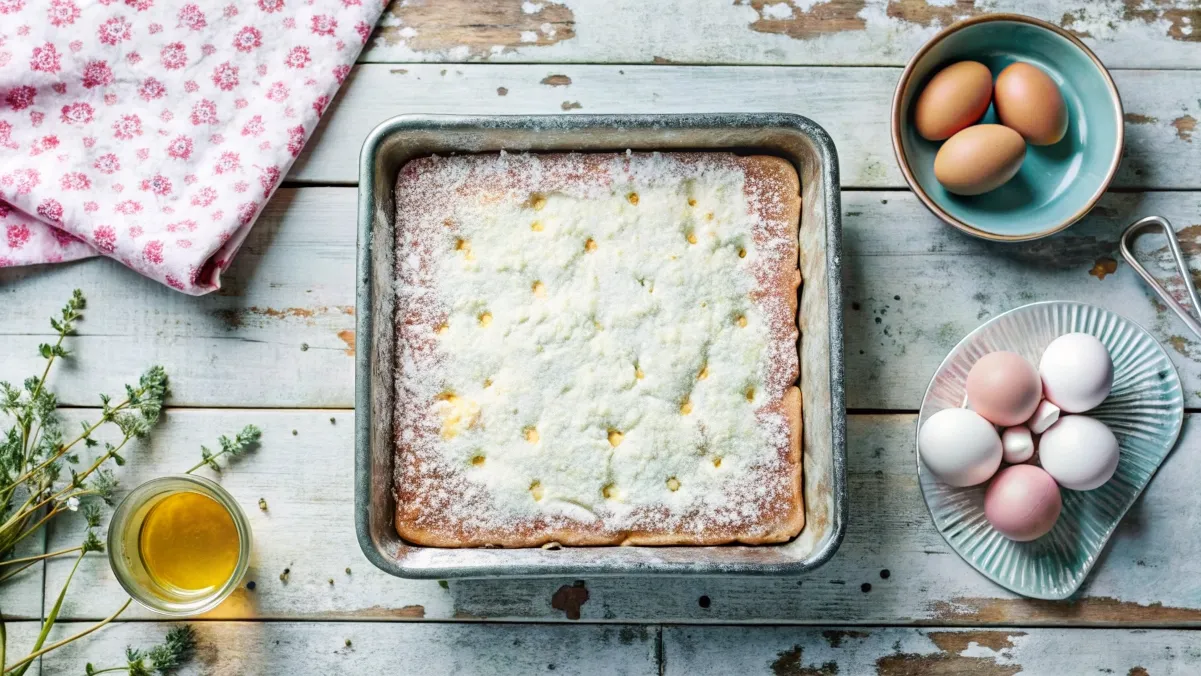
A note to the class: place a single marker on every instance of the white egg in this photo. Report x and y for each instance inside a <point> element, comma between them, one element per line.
<point>1017,444</point>
<point>960,447</point>
<point>1044,416</point>
<point>1077,372</point>
<point>1080,452</point>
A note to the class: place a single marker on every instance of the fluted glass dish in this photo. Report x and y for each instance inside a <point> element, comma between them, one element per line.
<point>1145,410</point>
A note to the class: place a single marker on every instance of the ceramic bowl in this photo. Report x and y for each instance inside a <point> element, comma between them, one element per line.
<point>1057,184</point>
<point>1145,410</point>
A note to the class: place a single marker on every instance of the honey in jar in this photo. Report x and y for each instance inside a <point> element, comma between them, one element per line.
<point>188,542</point>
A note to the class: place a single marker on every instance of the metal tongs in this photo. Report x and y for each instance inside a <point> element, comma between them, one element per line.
<point>1181,266</point>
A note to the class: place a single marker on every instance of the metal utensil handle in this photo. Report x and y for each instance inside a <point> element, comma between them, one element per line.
<point>1181,267</point>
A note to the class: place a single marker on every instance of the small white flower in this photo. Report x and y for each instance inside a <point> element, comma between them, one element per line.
<point>73,504</point>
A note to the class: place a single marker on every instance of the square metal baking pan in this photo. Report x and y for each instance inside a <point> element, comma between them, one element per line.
<point>797,139</point>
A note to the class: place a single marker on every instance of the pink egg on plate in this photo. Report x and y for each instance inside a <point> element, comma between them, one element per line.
<point>1004,388</point>
<point>1022,502</point>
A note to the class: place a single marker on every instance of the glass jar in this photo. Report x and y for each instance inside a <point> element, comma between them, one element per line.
<point>125,551</point>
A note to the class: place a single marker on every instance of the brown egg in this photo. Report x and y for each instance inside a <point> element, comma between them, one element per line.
<point>979,159</point>
<point>954,99</point>
<point>1029,102</point>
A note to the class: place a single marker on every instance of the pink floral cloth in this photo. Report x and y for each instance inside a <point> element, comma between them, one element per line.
<point>154,131</point>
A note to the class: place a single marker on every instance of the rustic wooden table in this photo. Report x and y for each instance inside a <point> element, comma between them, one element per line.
<point>274,347</point>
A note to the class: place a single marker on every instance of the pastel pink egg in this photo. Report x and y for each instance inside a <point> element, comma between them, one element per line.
<point>1022,502</point>
<point>1004,388</point>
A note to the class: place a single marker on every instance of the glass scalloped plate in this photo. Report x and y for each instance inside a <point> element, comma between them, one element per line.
<point>1145,410</point>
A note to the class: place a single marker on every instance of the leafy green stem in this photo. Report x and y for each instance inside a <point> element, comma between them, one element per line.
<point>107,416</point>
<point>54,646</point>
<point>15,571</point>
<point>20,667</point>
<point>242,442</point>
<point>39,557</point>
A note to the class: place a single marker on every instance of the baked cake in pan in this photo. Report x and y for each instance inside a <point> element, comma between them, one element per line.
<point>597,349</point>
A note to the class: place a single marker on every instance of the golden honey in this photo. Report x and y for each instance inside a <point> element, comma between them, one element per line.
<point>179,545</point>
<point>189,542</point>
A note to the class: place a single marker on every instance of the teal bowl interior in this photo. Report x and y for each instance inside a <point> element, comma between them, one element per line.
<point>1056,184</point>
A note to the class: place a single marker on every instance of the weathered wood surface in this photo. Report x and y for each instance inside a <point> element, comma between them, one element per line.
<point>20,637</point>
<point>1124,33</point>
<point>281,332</point>
<point>21,596</point>
<point>279,648</point>
<point>851,103</point>
<point>252,649</point>
<point>893,568</point>
<point>280,335</point>
<point>702,651</point>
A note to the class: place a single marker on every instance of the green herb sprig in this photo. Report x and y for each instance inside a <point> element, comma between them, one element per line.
<point>42,475</point>
<point>163,659</point>
<point>243,441</point>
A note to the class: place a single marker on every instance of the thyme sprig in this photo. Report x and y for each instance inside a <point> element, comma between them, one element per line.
<point>242,442</point>
<point>163,659</point>
<point>43,473</point>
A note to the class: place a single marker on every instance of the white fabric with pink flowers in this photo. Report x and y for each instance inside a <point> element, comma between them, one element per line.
<point>153,131</point>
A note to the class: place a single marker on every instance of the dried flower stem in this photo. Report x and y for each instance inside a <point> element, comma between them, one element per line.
<point>54,646</point>
<point>39,557</point>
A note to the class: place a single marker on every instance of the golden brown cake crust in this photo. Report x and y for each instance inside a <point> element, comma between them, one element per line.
<point>432,496</point>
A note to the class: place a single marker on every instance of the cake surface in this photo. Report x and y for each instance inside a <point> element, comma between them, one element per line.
<point>597,349</point>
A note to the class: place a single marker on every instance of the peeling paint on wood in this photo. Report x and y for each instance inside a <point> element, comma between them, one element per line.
<point>1185,125</point>
<point>791,663</point>
<point>1089,610</point>
<point>571,105</point>
<point>502,91</point>
<point>1184,19</point>
<point>235,318</point>
<point>1182,345</point>
<point>1137,671</point>
<point>835,16</point>
<point>1136,118</point>
<point>569,598</point>
<point>348,337</point>
<point>1125,33</point>
<point>409,612</point>
<point>959,641</point>
<point>952,659</point>
<point>835,637</point>
<point>556,80</point>
<point>1103,268</point>
<point>897,651</point>
<point>929,14</point>
<point>468,29</point>
<point>911,664</point>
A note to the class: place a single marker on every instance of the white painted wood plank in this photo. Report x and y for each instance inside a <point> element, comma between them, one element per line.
<point>292,286</point>
<point>275,335</point>
<point>1149,576</point>
<point>834,32</point>
<point>915,287</point>
<point>851,103</point>
<point>702,651</point>
<point>21,637</point>
<point>21,595</point>
<point>300,649</point>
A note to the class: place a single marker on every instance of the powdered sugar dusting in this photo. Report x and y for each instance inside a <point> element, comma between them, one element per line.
<point>591,346</point>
